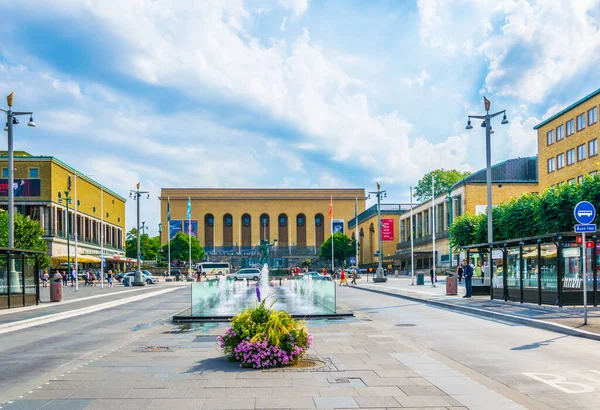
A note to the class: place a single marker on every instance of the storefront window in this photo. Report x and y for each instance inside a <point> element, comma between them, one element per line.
<point>530,266</point>
<point>513,264</point>
<point>548,268</point>
<point>572,268</point>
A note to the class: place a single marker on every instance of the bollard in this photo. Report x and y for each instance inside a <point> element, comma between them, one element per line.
<point>280,281</point>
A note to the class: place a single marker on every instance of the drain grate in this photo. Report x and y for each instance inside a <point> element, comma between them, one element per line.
<point>205,338</point>
<point>308,364</point>
<point>154,349</point>
<point>405,325</point>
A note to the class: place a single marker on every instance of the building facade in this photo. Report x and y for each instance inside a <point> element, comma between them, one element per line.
<point>236,220</point>
<point>41,184</point>
<point>568,143</point>
<point>510,179</point>
<point>369,231</point>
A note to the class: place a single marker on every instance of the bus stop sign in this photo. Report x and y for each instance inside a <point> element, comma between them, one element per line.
<point>584,213</point>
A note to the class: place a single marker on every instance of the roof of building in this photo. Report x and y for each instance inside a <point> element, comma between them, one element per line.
<point>515,170</point>
<point>569,108</point>
<point>264,193</point>
<point>25,156</point>
<point>386,209</point>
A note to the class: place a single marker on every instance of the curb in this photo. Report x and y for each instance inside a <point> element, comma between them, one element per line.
<point>539,324</point>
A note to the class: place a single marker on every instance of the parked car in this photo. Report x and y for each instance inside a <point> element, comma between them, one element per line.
<point>146,277</point>
<point>352,269</point>
<point>317,276</point>
<point>247,273</point>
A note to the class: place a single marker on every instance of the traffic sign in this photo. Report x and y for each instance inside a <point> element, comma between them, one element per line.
<point>585,228</point>
<point>352,260</point>
<point>584,213</point>
<point>589,244</point>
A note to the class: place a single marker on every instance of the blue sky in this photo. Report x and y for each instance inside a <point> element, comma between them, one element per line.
<point>288,93</point>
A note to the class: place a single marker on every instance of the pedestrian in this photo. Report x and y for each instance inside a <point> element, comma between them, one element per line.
<point>468,272</point>
<point>64,279</point>
<point>74,274</point>
<point>354,275</point>
<point>109,276</point>
<point>45,279</point>
<point>343,279</point>
<point>459,273</point>
<point>87,279</point>
<point>431,274</point>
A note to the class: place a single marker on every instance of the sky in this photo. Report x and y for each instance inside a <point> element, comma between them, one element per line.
<point>288,93</point>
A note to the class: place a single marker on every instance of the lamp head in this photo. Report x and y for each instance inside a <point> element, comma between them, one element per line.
<point>6,127</point>
<point>15,120</point>
<point>483,124</point>
<point>148,197</point>
<point>469,125</point>
<point>31,123</point>
<point>504,120</point>
<point>491,130</point>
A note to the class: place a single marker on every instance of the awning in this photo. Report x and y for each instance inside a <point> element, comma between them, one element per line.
<point>80,258</point>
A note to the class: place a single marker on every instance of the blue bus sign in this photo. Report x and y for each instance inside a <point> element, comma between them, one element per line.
<point>584,213</point>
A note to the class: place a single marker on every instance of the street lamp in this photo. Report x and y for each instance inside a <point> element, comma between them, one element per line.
<point>450,199</point>
<point>11,119</point>
<point>379,193</point>
<point>143,228</point>
<point>68,200</point>
<point>136,195</point>
<point>487,123</point>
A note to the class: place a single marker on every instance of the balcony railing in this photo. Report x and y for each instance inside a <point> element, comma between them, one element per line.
<point>51,233</point>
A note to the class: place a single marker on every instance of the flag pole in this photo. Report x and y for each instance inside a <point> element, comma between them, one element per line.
<point>331,217</point>
<point>190,235</point>
<point>433,226</point>
<point>169,237</point>
<point>356,228</point>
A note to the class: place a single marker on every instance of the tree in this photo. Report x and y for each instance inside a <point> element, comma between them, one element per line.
<point>180,248</point>
<point>343,248</point>
<point>444,179</point>
<point>149,247</point>
<point>28,235</point>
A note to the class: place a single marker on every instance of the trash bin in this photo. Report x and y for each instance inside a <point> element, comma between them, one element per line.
<point>127,281</point>
<point>56,288</point>
<point>420,278</point>
<point>451,285</point>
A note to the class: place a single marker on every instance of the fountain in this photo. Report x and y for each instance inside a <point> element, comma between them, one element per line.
<point>222,298</point>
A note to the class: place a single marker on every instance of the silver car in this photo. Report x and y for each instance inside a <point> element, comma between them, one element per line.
<point>146,277</point>
<point>247,273</point>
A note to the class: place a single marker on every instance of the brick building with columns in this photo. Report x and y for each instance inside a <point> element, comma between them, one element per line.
<point>40,183</point>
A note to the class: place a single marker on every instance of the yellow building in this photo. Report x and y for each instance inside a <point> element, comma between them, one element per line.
<point>236,220</point>
<point>368,232</point>
<point>510,179</point>
<point>568,143</point>
<point>40,183</point>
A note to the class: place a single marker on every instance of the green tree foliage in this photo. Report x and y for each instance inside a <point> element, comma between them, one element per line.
<point>530,215</point>
<point>444,179</point>
<point>149,246</point>
<point>180,248</point>
<point>28,235</point>
<point>343,248</point>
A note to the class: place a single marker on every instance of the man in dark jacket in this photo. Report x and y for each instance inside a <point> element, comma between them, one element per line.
<point>468,272</point>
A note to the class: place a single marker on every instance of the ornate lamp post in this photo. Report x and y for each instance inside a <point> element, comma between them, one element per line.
<point>379,274</point>
<point>137,194</point>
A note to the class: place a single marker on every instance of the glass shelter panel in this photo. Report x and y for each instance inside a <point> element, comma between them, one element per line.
<point>572,268</point>
<point>549,267</point>
<point>513,266</point>
<point>530,266</point>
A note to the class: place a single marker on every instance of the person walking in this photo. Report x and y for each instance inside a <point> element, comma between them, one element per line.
<point>64,279</point>
<point>45,279</point>
<point>459,273</point>
<point>354,275</point>
<point>109,277</point>
<point>468,272</point>
<point>343,280</point>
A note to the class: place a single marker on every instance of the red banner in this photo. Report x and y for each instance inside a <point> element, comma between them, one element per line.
<point>387,229</point>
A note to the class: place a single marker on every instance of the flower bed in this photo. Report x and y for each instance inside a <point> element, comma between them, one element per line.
<point>261,337</point>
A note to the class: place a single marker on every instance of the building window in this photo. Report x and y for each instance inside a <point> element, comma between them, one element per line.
<point>228,220</point>
<point>282,221</point>
<point>594,173</point>
<point>571,156</point>
<point>581,152</point>
<point>210,221</point>
<point>580,122</point>
<point>317,220</point>
<point>551,165</point>
<point>593,116</point>
<point>550,136</point>
<point>580,179</point>
<point>33,173</point>
<point>4,172</point>
<point>560,132</point>
<point>570,127</point>
<point>571,181</point>
<point>300,221</point>
<point>560,161</point>
<point>246,221</point>
<point>593,147</point>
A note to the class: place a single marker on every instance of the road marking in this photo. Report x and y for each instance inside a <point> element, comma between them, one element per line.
<point>27,323</point>
<point>561,383</point>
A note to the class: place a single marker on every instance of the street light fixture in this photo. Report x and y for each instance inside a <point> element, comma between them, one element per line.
<point>487,123</point>
<point>11,119</point>
<point>136,195</point>
<point>380,194</point>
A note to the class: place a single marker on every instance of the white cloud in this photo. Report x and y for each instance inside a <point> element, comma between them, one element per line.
<point>298,7</point>
<point>522,138</point>
<point>282,26</point>
<point>418,80</point>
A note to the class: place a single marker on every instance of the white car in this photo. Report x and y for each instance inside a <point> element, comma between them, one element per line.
<point>247,273</point>
<point>146,277</point>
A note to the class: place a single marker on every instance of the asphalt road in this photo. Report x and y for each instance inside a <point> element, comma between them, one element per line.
<point>558,370</point>
<point>29,353</point>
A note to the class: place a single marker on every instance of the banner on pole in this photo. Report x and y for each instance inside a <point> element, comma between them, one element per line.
<point>175,226</point>
<point>387,229</point>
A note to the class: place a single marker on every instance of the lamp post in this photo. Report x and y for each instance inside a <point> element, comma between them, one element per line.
<point>159,249</point>
<point>136,195</point>
<point>143,228</point>
<point>487,123</point>
<point>379,274</point>
<point>11,119</point>
<point>450,199</point>
<point>67,201</point>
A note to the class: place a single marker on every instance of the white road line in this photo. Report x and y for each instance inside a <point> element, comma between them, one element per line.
<point>24,324</point>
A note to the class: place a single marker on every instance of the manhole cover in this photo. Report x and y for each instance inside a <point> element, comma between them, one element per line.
<point>308,364</point>
<point>405,325</point>
<point>154,349</point>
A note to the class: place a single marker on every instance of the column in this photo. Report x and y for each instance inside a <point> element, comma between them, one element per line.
<point>42,210</point>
